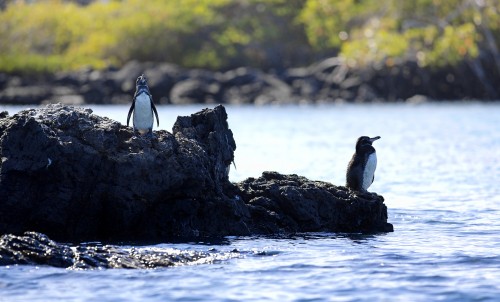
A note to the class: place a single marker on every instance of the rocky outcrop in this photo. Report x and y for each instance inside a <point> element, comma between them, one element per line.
<point>74,176</point>
<point>291,203</point>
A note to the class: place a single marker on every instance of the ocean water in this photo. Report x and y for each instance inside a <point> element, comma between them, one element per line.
<point>438,169</point>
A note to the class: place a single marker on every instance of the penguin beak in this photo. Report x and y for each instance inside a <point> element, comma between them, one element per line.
<point>374,138</point>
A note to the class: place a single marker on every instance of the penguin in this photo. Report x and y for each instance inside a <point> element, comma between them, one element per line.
<point>143,108</point>
<point>361,169</point>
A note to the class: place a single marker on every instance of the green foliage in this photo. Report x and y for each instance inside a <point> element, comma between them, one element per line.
<point>377,46</point>
<point>454,44</point>
<point>33,63</point>
<point>62,35</point>
<point>52,35</point>
<point>260,33</point>
<point>432,32</point>
<point>327,23</point>
<point>103,34</point>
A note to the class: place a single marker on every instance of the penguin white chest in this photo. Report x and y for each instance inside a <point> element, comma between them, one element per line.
<point>369,171</point>
<point>143,113</point>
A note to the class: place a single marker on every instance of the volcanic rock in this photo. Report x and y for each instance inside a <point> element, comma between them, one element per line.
<point>33,248</point>
<point>74,176</point>
<point>292,203</point>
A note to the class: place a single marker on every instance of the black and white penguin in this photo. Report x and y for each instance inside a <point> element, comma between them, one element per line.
<point>361,169</point>
<point>143,108</point>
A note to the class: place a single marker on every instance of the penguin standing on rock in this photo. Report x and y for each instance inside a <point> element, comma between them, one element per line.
<point>361,169</point>
<point>143,108</point>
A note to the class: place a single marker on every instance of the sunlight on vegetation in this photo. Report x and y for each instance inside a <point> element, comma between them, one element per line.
<point>48,36</point>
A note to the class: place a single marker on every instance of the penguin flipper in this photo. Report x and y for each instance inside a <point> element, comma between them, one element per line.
<point>156,112</point>
<point>130,111</point>
<point>354,182</point>
<point>373,178</point>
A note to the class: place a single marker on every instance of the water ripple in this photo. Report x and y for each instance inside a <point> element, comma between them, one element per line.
<point>440,186</point>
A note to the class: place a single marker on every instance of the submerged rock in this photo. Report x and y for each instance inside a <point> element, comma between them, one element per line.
<point>37,249</point>
<point>76,176</point>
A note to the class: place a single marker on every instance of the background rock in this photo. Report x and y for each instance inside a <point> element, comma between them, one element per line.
<point>329,80</point>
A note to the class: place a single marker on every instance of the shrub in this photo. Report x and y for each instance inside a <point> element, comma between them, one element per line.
<point>52,35</point>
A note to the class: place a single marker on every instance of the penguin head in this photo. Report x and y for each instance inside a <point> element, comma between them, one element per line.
<point>365,141</point>
<point>141,81</point>
<point>141,85</point>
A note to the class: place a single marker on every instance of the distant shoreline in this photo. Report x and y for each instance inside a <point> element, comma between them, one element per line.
<point>327,81</point>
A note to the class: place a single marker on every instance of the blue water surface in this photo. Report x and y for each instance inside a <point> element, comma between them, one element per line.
<point>438,169</point>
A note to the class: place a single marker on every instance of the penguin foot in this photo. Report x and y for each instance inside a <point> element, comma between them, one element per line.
<point>361,193</point>
<point>366,194</point>
<point>150,134</point>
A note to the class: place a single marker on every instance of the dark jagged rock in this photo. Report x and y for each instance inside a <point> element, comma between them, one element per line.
<point>73,175</point>
<point>37,249</point>
<point>76,176</point>
<point>291,203</point>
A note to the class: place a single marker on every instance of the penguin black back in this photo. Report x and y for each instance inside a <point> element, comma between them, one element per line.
<point>361,169</point>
